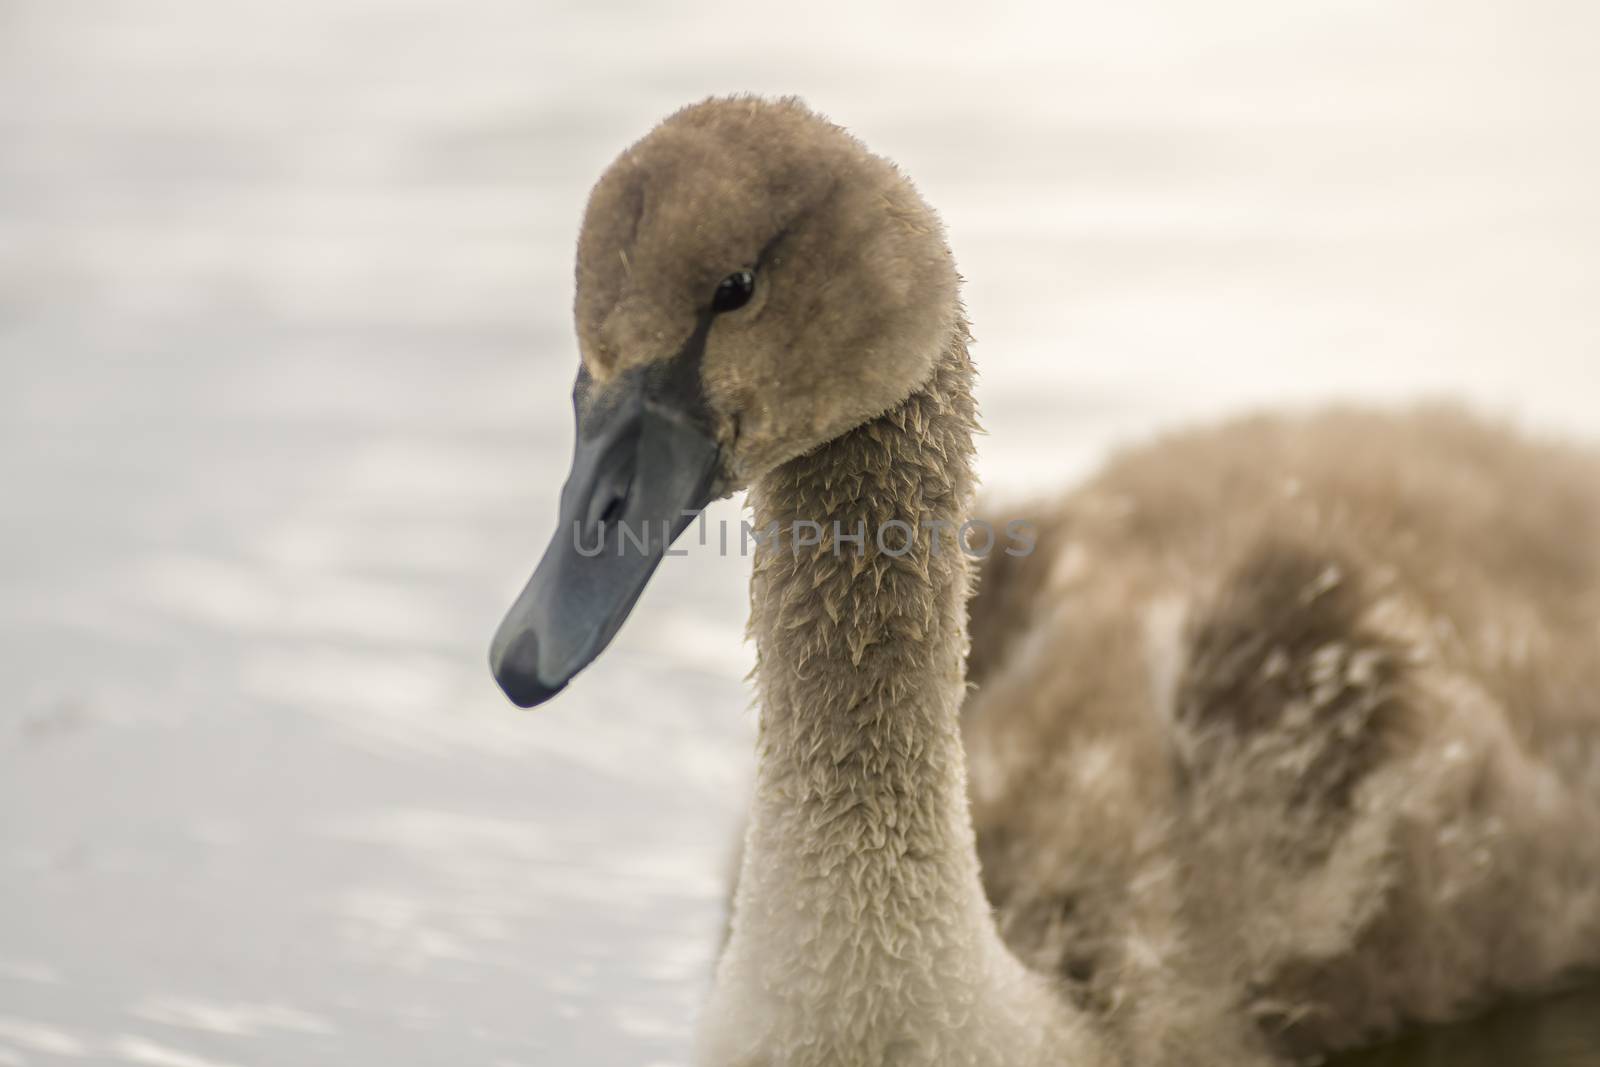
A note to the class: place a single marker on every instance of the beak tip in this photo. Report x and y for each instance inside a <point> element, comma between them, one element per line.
<point>530,693</point>
<point>526,691</point>
<point>516,670</point>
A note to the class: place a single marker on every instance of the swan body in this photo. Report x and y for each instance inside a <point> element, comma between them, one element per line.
<point>1285,735</point>
<point>1294,729</point>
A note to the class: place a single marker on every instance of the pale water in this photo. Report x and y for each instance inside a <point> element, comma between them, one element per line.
<point>284,355</point>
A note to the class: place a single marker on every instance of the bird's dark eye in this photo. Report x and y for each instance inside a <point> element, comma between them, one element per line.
<point>734,291</point>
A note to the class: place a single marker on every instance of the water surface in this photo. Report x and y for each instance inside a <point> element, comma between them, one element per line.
<point>1559,1031</point>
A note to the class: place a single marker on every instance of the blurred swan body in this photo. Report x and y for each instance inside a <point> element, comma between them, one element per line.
<point>1286,734</point>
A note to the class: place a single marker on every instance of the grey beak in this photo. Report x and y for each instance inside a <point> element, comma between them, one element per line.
<point>644,466</point>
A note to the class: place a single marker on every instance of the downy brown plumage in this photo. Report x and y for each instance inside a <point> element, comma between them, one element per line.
<point>1286,735</point>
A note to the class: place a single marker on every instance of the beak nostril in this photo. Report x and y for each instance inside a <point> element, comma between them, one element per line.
<point>608,500</point>
<point>611,499</point>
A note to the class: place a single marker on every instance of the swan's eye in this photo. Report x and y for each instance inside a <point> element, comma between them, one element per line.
<point>734,291</point>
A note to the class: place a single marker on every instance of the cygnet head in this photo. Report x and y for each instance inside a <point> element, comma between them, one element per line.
<point>751,283</point>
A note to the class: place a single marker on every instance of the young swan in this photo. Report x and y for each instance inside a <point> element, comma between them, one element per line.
<point>1285,735</point>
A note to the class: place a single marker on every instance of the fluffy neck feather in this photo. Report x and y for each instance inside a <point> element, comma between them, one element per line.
<point>861,932</point>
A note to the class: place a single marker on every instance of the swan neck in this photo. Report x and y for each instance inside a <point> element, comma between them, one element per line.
<point>861,638</point>
<point>861,933</point>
